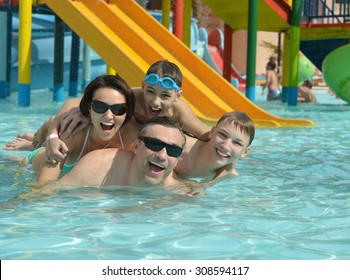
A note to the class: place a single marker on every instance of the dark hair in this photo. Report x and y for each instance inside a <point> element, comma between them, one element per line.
<point>271,65</point>
<point>165,68</point>
<point>108,81</point>
<point>242,121</point>
<point>164,121</point>
<point>308,84</point>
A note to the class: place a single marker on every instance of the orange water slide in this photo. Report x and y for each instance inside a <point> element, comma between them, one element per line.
<point>130,40</point>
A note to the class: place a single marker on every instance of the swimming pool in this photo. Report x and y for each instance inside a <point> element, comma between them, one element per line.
<point>292,200</point>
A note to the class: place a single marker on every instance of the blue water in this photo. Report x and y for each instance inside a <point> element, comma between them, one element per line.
<point>292,200</point>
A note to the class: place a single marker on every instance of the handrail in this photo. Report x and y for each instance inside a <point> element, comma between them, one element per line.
<point>325,11</point>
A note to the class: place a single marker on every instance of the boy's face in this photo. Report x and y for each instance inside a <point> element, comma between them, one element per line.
<point>154,167</point>
<point>158,100</point>
<point>228,143</point>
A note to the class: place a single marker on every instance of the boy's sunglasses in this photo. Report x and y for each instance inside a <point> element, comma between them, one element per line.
<point>165,82</point>
<point>157,145</point>
<point>100,107</point>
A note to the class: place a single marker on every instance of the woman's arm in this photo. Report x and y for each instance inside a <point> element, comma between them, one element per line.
<point>64,123</point>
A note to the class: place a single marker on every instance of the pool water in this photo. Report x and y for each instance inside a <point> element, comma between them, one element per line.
<point>292,200</point>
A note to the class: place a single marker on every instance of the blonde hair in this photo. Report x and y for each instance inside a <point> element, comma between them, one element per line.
<point>242,121</point>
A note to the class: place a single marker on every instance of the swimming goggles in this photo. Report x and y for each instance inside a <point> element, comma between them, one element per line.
<point>157,145</point>
<point>100,107</point>
<point>165,82</point>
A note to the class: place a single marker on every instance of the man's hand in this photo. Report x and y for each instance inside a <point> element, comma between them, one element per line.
<point>72,122</point>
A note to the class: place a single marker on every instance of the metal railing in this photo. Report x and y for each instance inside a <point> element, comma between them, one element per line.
<point>325,11</point>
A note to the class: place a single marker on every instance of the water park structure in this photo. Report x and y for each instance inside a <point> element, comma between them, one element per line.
<point>129,39</point>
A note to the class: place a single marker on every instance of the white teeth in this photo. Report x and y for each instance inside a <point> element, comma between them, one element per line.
<point>157,164</point>
<point>108,123</point>
<point>222,154</point>
<point>155,109</point>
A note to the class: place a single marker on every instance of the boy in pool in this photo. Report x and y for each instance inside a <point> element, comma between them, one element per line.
<point>229,140</point>
<point>272,82</point>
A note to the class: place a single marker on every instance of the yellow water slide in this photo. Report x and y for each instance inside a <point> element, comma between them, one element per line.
<point>130,40</point>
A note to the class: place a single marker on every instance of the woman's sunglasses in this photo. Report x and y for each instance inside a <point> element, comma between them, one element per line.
<point>165,82</point>
<point>100,107</point>
<point>157,145</point>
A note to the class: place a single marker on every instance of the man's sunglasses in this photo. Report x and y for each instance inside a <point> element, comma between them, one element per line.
<point>165,82</point>
<point>100,107</point>
<point>157,145</point>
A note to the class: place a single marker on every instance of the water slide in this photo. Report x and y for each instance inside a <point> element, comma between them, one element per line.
<point>130,40</point>
<point>336,72</point>
<point>214,53</point>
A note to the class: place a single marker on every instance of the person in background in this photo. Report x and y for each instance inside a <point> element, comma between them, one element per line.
<point>305,93</point>
<point>272,82</point>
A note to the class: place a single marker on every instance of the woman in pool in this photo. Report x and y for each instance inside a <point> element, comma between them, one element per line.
<point>109,103</point>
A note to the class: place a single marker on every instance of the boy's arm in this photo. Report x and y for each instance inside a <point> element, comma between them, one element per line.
<point>228,169</point>
<point>190,122</point>
<point>55,125</point>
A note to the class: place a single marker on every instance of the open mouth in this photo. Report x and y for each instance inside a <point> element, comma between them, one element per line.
<point>155,167</point>
<point>155,111</point>
<point>107,126</point>
<point>221,154</point>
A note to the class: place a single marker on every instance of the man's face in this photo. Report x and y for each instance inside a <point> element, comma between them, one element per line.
<point>154,167</point>
<point>228,143</point>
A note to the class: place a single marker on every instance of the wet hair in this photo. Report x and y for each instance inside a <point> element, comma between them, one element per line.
<point>271,65</point>
<point>164,121</point>
<point>242,121</point>
<point>165,68</point>
<point>108,81</point>
<point>308,84</point>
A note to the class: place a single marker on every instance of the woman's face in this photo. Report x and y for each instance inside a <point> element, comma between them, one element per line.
<point>106,124</point>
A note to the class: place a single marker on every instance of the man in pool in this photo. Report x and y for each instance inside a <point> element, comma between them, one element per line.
<point>160,143</point>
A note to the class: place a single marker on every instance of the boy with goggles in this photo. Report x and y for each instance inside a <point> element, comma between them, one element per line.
<point>160,144</point>
<point>166,82</point>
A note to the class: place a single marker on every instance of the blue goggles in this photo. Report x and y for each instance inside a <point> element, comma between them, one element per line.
<point>165,82</point>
